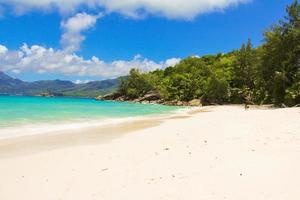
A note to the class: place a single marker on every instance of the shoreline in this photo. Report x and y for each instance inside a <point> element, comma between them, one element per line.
<point>221,152</point>
<point>96,132</point>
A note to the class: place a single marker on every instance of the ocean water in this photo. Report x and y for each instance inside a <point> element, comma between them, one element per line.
<point>21,115</point>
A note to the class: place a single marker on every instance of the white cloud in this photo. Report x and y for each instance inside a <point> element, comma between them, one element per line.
<point>47,60</point>
<point>184,9</point>
<point>82,81</point>
<point>172,61</point>
<point>3,49</point>
<point>73,28</point>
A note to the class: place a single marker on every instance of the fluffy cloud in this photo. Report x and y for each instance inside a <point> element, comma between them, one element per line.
<point>186,9</point>
<point>73,28</point>
<point>47,60</point>
<point>82,81</point>
<point>3,49</point>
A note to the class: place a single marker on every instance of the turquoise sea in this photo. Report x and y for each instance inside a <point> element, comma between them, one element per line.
<point>20,112</point>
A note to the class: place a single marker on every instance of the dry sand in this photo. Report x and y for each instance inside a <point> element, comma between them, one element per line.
<point>226,153</point>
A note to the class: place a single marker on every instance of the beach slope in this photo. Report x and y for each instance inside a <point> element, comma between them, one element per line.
<point>222,153</point>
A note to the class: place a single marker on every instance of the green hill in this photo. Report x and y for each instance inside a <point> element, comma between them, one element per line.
<point>11,86</point>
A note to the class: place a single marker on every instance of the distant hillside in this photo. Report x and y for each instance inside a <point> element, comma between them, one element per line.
<point>9,85</point>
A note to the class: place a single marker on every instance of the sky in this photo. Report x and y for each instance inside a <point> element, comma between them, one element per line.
<point>85,40</point>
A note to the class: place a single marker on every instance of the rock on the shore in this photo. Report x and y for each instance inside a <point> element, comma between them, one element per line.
<point>150,96</point>
<point>45,94</point>
<point>111,96</point>
<point>195,102</point>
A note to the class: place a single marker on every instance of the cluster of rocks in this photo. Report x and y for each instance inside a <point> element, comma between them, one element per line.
<point>194,102</point>
<point>113,96</point>
<point>149,98</point>
<point>45,94</point>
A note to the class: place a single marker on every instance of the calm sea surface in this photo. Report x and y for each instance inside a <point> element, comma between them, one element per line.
<point>20,111</point>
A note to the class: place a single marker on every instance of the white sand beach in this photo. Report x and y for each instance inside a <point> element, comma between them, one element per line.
<point>224,152</point>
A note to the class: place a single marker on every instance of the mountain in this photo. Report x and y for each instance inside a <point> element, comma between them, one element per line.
<point>11,86</point>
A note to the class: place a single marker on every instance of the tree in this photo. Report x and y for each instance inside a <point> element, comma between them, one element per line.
<point>216,90</point>
<point>136,84</point>
<point>245,67</point>
<point>281,57</point>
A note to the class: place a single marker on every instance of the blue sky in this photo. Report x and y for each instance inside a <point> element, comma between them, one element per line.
<point>144,37</point>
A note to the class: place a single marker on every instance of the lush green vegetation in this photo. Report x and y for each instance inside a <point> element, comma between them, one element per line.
<point>269,73</point>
